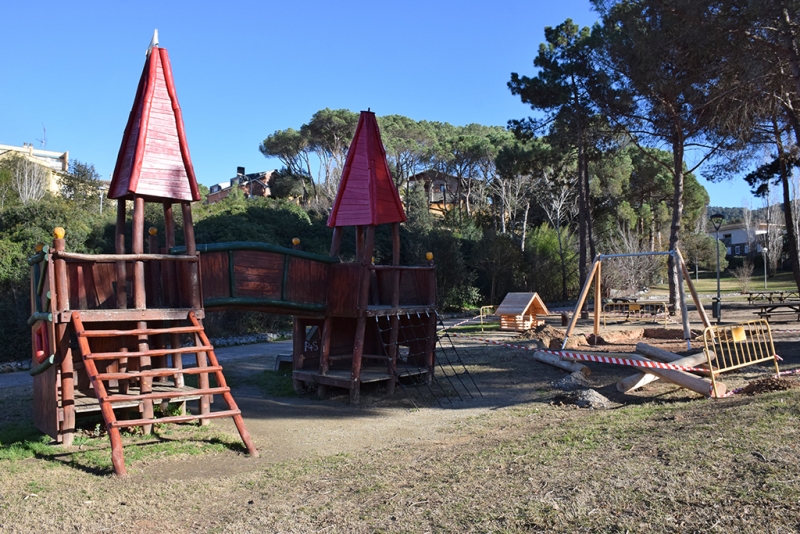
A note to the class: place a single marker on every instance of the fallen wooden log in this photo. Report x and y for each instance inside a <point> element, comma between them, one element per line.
<point>626,385</point>
<point>552,359</point>
<point>668,357</point>
<point>684,379</point>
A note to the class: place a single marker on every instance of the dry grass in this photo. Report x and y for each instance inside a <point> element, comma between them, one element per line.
<point>512,462</point>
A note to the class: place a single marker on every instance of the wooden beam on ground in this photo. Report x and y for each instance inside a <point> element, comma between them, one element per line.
<point>556,361</point>
<point>686,380</point>
<point>638,380</point>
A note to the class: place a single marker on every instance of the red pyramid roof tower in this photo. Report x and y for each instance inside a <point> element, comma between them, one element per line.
<point>367,195</point>
<point>153,160</point>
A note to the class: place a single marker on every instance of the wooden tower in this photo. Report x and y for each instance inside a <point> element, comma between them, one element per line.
<point>132,314</point>
<point>380,320</point>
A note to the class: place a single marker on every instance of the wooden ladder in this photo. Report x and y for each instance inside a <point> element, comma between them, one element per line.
<point>145,377</point>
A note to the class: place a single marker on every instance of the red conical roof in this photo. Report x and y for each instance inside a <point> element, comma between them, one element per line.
<point>154,159</point>
<point>367,195</point>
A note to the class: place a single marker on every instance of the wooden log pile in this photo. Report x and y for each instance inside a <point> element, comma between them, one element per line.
<point>644,376</point>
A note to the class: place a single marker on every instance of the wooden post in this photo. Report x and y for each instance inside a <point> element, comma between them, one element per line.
<point>177,360</point>
<point>598,301</point>
<point>336,242</point>
<point>581,299</point>
<point>360,244</point>
<point>394,321</point>
<point>324,353</point>
<point>140,303</point>
<point>154,289</point>
<point>191,250</point>
<point>67,368</point>
<point>298,343</point>
<point>687,333</point>
<point>688,277</point>
<point>170,297</point>
<point>196,304</point>
<point>137,246</point>
<point>119,248</point>
<point>367,246</point>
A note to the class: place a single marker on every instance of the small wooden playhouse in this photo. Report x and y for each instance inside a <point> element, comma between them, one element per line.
<point>118,333</point>
<point>521,311</point>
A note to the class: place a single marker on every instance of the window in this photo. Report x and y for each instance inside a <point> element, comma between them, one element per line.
<point>737,249</point>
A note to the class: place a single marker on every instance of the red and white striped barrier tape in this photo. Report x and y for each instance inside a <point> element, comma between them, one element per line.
<point>588,357</point>
<point>465,321</point>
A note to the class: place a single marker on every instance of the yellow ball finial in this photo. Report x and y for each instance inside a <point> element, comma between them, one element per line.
<point>429,256</point>
<point>58,232</point>
<point>296,241</point>
<point>153,230</point>
<point>39,247</point>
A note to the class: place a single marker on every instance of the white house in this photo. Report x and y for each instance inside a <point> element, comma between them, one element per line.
<point>736,240</point>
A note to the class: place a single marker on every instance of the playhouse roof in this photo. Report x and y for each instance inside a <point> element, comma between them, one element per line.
<point>367,195</point>
<point>522,304</point>
<point>153,160</point>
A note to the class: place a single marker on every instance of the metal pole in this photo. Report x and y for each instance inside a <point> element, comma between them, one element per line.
<point>718,304</point>
<point>765,250</point>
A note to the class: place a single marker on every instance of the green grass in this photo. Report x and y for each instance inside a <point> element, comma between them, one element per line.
<point>273,383</point>
<point>473,328</point>
<point>729,285</point>
<point>91,448</point>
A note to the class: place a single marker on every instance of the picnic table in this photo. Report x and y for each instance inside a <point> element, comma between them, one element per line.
<point>624,299</point>
<point>771,296</point>
<point>782,308</point>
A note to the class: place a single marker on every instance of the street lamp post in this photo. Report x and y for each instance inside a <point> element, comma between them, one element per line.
<point>716,308</point>
<point>764,250</point>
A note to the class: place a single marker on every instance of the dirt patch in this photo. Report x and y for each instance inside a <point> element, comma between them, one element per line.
<point>616,337</point>
<point>669,333</point>
<point>766,385</point>
<point>549,337</point>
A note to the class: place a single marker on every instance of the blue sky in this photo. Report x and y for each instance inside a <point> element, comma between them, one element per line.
<point>245,69</point>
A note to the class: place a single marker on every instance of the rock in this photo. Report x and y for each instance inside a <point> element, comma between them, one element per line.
<point>589,398</point>
<point>572,382</point>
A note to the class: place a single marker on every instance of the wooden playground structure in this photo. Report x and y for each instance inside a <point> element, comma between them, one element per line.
<point>119,325</point>
<point>121,333</point>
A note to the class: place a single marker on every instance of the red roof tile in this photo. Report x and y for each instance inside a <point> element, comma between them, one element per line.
<point>154,158</point>
<point>367,195</point>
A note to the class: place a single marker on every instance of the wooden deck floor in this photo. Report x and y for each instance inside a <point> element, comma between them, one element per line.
<point>86,403</point>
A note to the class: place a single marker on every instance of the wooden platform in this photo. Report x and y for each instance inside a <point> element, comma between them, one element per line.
<point>85,403</point>
<point>341,377</point>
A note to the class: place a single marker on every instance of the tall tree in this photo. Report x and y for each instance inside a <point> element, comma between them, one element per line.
<point>329,133</point>
<point>669,69</point>
<point>291,147</point>
<point>563,88</point>
<point>28,178</point>
<point>81,184</point>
